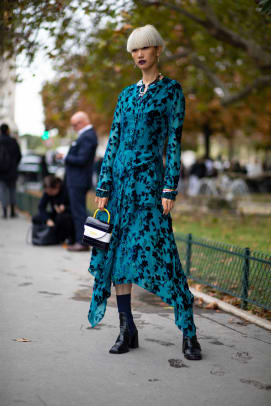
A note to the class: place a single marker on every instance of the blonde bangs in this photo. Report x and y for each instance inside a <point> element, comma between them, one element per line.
<point>146,36</point>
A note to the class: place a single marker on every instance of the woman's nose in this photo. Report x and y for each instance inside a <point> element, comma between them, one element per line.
<point>140,52</point>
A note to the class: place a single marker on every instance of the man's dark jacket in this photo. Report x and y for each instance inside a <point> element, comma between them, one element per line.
<point>15,157</point>
<point>79,160</point>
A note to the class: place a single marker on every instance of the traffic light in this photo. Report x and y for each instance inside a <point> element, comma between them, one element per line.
<point>45,135</point>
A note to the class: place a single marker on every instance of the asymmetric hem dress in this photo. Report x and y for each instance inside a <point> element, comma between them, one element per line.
<point>142,248</point>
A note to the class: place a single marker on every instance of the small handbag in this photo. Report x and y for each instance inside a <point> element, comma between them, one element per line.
<point>98,233</point>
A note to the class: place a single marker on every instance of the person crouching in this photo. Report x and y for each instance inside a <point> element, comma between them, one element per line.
<point>54,209</point>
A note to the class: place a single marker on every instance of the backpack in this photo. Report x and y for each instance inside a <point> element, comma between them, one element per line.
<point>5,158</point>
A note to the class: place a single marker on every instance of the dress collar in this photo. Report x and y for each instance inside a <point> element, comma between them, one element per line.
<point>140,82</point>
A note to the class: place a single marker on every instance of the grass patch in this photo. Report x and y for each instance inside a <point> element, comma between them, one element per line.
<point>244,231</point>
<point>234,301</point>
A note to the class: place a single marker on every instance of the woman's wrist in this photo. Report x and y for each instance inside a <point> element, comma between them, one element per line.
<point>169,194</point>
<point>102,192</point>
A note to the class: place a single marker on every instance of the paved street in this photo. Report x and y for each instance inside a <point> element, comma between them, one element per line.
<point>64,362</point>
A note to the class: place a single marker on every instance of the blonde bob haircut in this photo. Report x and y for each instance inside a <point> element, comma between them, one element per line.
<point>146,36</point>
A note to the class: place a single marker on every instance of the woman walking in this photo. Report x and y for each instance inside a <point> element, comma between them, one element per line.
<point>139,193</point>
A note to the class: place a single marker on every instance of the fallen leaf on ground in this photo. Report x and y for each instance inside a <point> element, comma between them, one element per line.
<point>212,306</point>
<point>197,287</point>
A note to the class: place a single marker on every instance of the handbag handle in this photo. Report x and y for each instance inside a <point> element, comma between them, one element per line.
<point>108,214</point>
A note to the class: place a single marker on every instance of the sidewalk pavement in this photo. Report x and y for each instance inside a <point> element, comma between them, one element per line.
<point>64,362</point>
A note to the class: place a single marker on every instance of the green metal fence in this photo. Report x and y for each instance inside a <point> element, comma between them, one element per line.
<point>27,202</point>
<point>242,273</point>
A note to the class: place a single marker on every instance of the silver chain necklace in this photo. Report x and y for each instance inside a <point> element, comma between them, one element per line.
<point>142,87</point>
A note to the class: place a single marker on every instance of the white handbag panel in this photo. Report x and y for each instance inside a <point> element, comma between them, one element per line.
<point>97,234</point>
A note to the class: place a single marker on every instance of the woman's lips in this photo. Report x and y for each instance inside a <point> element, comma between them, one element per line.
<point>142,62</point>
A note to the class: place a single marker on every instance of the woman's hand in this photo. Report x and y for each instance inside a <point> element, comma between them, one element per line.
<point>50,223</point>
<point>58,155</point>
<point>59,209</point>
<point>62,208</point>
<point>167,204</point>
<point>101,202</point>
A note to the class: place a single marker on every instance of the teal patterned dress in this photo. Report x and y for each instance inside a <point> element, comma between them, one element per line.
<point>142,248</point>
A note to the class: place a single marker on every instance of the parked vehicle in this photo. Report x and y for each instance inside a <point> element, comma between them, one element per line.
<point>33,168</point>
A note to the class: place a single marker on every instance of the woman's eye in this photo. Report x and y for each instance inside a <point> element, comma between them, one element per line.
<point>134,50</point>
<point>145,47</point>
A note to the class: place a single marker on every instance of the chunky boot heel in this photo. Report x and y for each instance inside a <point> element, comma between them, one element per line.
<point>125,340</point>
<point>191,348</point>
<point>134,340</point>
<point>121,346</point>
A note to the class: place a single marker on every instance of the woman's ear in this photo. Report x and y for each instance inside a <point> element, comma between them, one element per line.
<point>159,51</point>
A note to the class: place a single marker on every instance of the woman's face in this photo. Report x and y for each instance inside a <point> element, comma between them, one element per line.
<point>52,191</point>
<point>145,58</point>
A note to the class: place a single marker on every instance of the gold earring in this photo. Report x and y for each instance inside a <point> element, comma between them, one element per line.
<point>157,58</point>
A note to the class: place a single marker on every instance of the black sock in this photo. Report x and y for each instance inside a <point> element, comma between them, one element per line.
<point>124,306</point>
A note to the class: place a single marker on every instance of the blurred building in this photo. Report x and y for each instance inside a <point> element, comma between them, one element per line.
<point>7,93</point>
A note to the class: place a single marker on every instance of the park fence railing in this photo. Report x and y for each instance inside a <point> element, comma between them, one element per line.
<point>27,202</point>
<point>239,272</point>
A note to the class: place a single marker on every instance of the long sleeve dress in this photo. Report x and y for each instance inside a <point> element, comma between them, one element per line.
<point>142,248</point>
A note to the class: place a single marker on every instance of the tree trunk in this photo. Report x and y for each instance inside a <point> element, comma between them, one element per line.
<point>207,132</point>
<point>231,149</point>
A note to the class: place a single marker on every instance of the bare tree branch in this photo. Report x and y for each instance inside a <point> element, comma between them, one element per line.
<point>178,55</point>
<point>228,98</point>
<point>258,83</point>
<point>222,33</point>
<point>211,76</point>
<point>217,30</point>
<point>195,60</point>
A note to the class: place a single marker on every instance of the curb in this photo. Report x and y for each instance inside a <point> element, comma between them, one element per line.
<point>232,309</point>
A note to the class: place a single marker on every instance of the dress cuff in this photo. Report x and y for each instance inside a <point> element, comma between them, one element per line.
<point>170,195</point>
<point>102,192</point>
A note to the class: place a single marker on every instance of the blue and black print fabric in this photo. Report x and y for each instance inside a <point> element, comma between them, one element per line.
<point>133,175</point>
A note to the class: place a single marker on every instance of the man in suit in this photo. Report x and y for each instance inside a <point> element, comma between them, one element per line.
<point>79,168</point>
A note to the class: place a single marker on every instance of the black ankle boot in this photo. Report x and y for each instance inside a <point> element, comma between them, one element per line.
<point>125,339</point>
<point>191,348</point>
